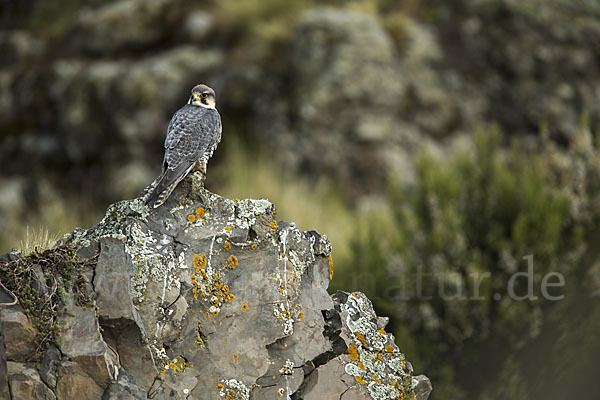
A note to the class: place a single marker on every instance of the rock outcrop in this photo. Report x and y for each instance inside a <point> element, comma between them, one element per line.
<point>202,298</point>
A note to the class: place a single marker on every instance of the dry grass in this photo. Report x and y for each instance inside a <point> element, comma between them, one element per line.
<point>37,239</point>
<point>42,227</point>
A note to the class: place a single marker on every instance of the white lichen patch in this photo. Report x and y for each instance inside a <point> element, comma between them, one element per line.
<point>139,207</point>
<point>159,354</point>
<point>246,211</point>
<point>354,370</point>
<point>153,260</point>
<point>282,310</point>
<point>375,361</point>
<point>233,389</point>
<point>287,368</point>
<point>299,265</point>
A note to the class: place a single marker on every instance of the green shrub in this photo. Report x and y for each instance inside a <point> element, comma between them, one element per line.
<point>486,210</point>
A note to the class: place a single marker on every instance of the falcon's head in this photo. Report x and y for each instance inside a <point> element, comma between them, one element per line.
<point>203,96</point>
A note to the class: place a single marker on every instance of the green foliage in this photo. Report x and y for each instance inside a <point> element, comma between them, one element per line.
<point>41,282</point>
<point>456,240</point>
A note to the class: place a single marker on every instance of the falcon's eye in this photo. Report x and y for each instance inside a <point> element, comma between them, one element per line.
<point>204,95</point>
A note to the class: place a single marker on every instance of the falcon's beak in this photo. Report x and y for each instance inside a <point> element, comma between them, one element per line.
<point>196,100</point>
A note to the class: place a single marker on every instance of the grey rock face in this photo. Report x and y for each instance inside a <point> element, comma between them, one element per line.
<point>18,332</point>
<point>25,383</point>
<point>207,297</point>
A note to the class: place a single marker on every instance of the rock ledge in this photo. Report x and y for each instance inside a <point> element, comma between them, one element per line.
<point>206,298</point>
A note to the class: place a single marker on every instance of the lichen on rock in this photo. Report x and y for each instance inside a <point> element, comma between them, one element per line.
<point>230,304</point>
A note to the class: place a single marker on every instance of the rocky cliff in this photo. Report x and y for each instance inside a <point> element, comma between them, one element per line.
<point>202,298</point>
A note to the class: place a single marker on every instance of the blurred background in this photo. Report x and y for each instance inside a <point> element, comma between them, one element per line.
<point>432,141</point>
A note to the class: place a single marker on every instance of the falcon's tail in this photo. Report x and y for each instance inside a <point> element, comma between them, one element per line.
<point>167,182</point>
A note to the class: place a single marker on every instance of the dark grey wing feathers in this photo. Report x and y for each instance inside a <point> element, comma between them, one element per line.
<point>192,135</point>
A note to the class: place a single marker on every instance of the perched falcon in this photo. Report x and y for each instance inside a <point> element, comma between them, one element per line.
<point>193,134</point>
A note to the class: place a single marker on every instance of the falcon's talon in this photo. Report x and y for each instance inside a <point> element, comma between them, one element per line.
<point>192,136</point>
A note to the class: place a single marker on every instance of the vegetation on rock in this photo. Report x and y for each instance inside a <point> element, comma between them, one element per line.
<point>41,281</point>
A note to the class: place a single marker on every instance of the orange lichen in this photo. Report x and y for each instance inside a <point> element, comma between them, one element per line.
<point>235,357</point>
<point>232,262</point>
<point>227,246</point>
<point>352,352</point>
<point>209,285</point>
<point>360,338</point>
<point>361,366</point>
<point>254,246</point>
<point>199,261</point>
<point>273,225</point>
<point>330,267</point>
<point>301,315</point>
<point>389,348</point>
<point>228,228</point>
<point>220,386</point>
<point>244,307</point>
<point>191,217</point>
<point>381,331</point>
<point>360,380</point>
<point>200,212</point>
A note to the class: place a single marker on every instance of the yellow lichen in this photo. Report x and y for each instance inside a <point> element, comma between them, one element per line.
<point>352,352</point>
<point>220,386</point>
<point>381,331</point>
<point>360,338</point>
<point>330,267</point>
<point>273,225</point>
<point>301,315</point>
<point>199,261</point>
<point>227,246</point>
<point>177,366</point>
<point>200,212</point>
<point>208,284</point>
<point>254,246</point>
<point>191,218</point>
<point>361,366</point>
<point>360,380</point>
<point>235,357</point>
<point>244,307</point>
<point>232,262</point>
<point>228,228</point>
<point>389,348</point>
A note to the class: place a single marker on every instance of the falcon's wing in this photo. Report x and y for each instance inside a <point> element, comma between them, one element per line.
<point>210,126</point>
<point>192,133</point>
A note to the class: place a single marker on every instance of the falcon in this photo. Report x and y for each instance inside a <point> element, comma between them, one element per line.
<point>192,136</point>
